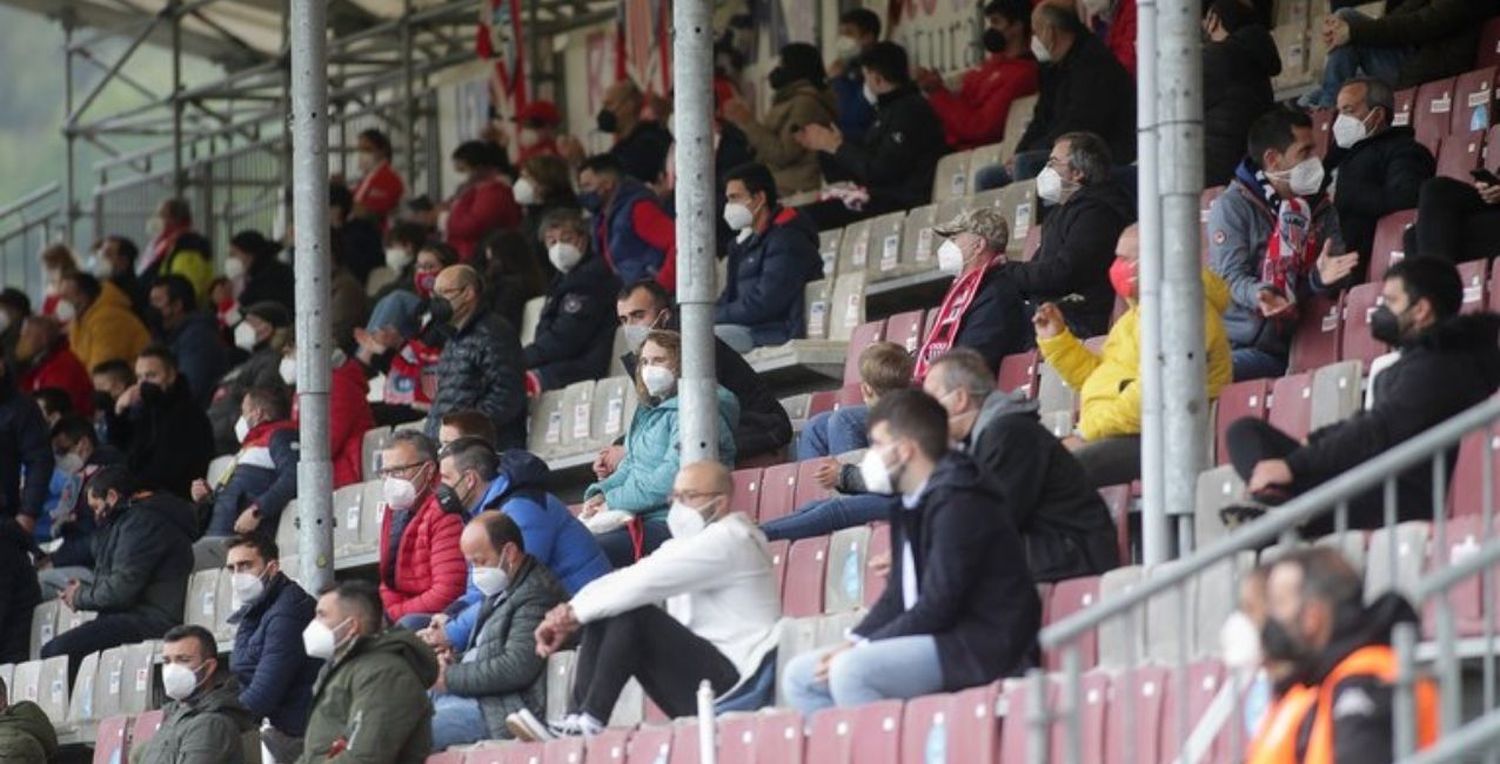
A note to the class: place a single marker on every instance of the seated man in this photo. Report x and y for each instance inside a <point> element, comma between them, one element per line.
<point>1085,211</point>
<point>959,608</point>
<point>143,556</point>
<point>982,309</point>
<point>372,702</point>
<point>1448,363</point>
<point>1062,521</point>
<point>1274,238</point>
<point>1380,167</point>
<point>80,456</point>
<point>421,568</point>
<point>770,264</point>
<point>1108,440</point>
<point>631,230</point>
<point>271,611</point>
<point>476,480</point>
<point>1457,220</point>
<point>264,476</point>
<point>167,439</point>
<point>480,365</point>
<point>111,379</point>
<point>204,719</point>
<point>764,426</point>
<point>502,672</point>
<point>884,367</point>
<point>719,624</point>
<point>105,328</point>
<point>191,334</point>
<point>976,114</point>
<point>26,734</point>
<point>1239,60</point>
<point>575,332</point>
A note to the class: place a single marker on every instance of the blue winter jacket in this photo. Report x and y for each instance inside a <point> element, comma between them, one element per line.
<point>855,113</point>
<point>550,532</point>
<point>268,486</point>
<point>768,273</point>
<point>276,676</point>
<point>615,237</point>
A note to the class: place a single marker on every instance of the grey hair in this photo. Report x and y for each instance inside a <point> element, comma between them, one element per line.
<point>426,449</point>
<point>965,369</point>
<point>1088,155</point>
<point>566,219</point>
<point>1378,94</point>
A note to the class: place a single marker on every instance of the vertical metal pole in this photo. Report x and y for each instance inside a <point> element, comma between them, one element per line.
<point>409,96</point>
<point>70,188</point>
<point>697,213</point>
<point>1179,111</point>
<point>178,184</point>
<point>1154,507</point>
<point>309,120</point>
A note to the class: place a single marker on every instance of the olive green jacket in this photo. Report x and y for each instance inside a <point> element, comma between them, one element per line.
<point>370,705</point>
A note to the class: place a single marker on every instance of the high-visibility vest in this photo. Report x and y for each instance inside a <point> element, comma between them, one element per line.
<point>1276,739</point>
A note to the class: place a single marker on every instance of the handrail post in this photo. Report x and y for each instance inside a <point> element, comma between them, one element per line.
<point>1403,704</point>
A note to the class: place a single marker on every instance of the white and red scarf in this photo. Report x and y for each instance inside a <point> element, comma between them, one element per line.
<point>950,318</point>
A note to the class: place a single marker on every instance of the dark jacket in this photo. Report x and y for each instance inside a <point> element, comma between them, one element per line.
<point>975,595</point>
<point>263,475</point>
<point>276,675</point>
<point>552,534</point>
<point>372,701</point>
<point>481,368</point>
<point>1444,34</point>
<point>1063,522</point>
<point>26,734</point>
<point>25,445</point>
<point>1237,74</point>
<point>201,356</point>
<point>19,594</point>
<point>207,728</point>
<point>270,280</point>
<point>768,273</point>
<point>77,533</point>
<point>899,154</point>
<point>1379,175</point>
<point>170,441</point>
<point>995,323</point>
<point>1088,90</point>
<point>577,328</point>
<point>261,369</point>
<point>643,151</point>
<point>1078,246</point>
<point>854,113</point>
<point>622,244</point>
<point>143,555</point>
<point>502,668</point>
<point>1447,369</point>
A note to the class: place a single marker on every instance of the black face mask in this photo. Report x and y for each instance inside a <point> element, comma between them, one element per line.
<point>607,121</point>
<point>1385,326</point>
<point>441,310</point>
<point>103,401</point>
<point>151,392</point>
<point>448,499</point>
<point>993,40</point>
<point>780,77</point>
<point>1278,644</point>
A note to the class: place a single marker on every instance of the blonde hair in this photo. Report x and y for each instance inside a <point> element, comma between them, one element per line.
<point>885,367</point>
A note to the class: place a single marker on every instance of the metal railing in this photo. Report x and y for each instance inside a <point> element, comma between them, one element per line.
<point>26,226</point>
<point>1173,581</point>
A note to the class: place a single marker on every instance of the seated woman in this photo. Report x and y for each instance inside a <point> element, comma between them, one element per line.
<point>402,343</point>
<point>627,507</point>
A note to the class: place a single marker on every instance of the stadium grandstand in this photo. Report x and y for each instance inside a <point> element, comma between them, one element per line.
<point>757,381</point>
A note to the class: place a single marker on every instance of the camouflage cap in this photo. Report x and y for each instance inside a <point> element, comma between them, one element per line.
<point>985,222</point>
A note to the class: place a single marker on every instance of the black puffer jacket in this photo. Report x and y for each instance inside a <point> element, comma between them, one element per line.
<point>899,154</point>
<point>24,442</point>
<point>1237,74</point>
<point>143,556</point>
<point>1078,246</point>
<point>1088,90</point>
<point>481,368</point>
<point>1447,369</point>
<point>1378,176</point>
<point>577,326</point>
<point>1444,33</point>
<point>170,440</point>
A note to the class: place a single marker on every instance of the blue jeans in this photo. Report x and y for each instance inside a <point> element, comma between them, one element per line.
<point>1347,61</point>
<point>834,432</point>
<point>735,336</point>
<point>820,518</point>
<point>456,721</point>
<point>1029,164</point>
<point>1254,363</point>
<point>896,668</point>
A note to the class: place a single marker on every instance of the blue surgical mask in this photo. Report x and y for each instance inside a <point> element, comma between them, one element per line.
<point>591,201</point>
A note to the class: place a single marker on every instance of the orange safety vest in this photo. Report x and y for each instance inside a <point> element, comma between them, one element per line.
<point>1276,740</point>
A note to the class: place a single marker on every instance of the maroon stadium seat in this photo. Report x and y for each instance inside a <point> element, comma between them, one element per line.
<point>110,740</point>
<point>779,549</point>
<point>1459,154</point>
<point>737,739</point>
<point>1405,100</point>
<point>778,490</point>
<point>808,488</point>
<point>684,746</point>
<point>822,401</point>
<point>1018,372</point>
<point>1316,340</point>
<point>446,757</point>
<point>1291,405</point>
<point>1237,401</point>
<point>1142,690</point>
<point>1473,274</point>
<point>848,395</point>
<point>1494,290</point>
<point>1465,536</point>
<point>1015,727</point>
<point>877,733</point>
<point>778,738</point>
<point>746,492</point>
<point>974,730</point>
<point>830,736</point>
<point>1204,679</point>
<point>1069,597</point>
<point>1489,44</point>
<point>924,729</point>
<point>905,329</point>
<point>145,727</point>
<point>880,543</point>
<point>1117,498</point>
<point>1433,111</point>
<point>1359,306</point>
<point>1322,120</point>
<point>564,750</point>
<point>649,745</point>
<point>802,594</point>
<point>1466,489</point>
<point>1491,156</point>
<point>1095,692</point>
<point>1473,99</point>
<point>863,336</point>
<point>607,747</point>
<point>1390,243</point>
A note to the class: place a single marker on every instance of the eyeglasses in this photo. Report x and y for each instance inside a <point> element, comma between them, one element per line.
<point>404,469</point>
<point>692,497</point>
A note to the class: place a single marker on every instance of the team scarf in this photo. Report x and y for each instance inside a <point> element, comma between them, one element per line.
<point>950,317</point>
<point>1293,249</point>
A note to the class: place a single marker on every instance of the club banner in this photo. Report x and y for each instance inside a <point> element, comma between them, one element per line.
<point>501,39</point>
<point>645,44</point>
<point>942,35</point>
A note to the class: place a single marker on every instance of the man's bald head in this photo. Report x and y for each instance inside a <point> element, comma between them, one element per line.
<point>461,286</point>
<point>704,486</point>
<point>457,277</point>
<point>1129,244</point>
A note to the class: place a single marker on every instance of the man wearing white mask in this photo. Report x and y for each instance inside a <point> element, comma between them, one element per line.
<point>204,722</point>
<point>370,703</point>
<point>859,28</point>
<point>502,672</point>
<point>263,479</point>
<point>1379,168</point>
<point>275,675</point>
<point>773,257</point>
<point>981,310</point>
<point>959,607</point>
<point>719,623</point>
<point>1274,237</point>
<point>574,333</point>
<point>192,334</point>
<point>422,570</point>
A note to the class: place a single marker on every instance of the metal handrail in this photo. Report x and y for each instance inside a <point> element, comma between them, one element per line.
<point>30,199</point>
<point>1478,736</point>
<point>1320,500</point>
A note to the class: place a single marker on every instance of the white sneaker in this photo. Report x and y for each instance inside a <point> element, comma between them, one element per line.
<point>526,727</point>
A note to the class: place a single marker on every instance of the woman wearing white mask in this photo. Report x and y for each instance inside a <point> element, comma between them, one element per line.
<point>544,187</point>
<point>380,187</point>
<point>204,719</point>
<point>628,509</point>
<point>260,277</point>
<point>576,329</point>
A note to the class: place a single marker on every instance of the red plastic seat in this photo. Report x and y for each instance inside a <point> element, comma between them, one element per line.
<point>1405,100</point>
<point>863,336</point>
<point>1460,153</point>
<point>1204,678</point>
<point>514,752</point>
<point>808,487</point>
<point>1238,401</point>
<point>649,745</point>
<point>1359,307</point>
<point>1095,693</point>
<point>1433,111</point>
<point>1466,489</point>
<point>564,750</point>
<point>446,757</point>
<point>924,729</point>
<point>778,491</point>
<point>1390,242</point>
<point>746,492</point>
<point>905,329</point>
<point>109,740</point>
<point>779,551</point>
<point>1489,44</point>
<point>830,736</point>
<point>737,740</point>
<point>1473,275</point>
<point>1205,202</point>
<point>1465,536</point>
<point>802,594</point>
<point>1117,498</point>
<point>1069,597</point>
<point>877,733</point>
<point>822,401</point>
<point>1018,372</point>
<point>684,746</point>
<point>974,729</point>
<point>1015,727</point>
<point>1142,689</point>
<point>778,738</point>
<point>1315,342</point>
<point>1473,98</point>
<point>880,543</point>
<point>145,726</point>
<point>848,395</point>
<point>1494,290</point>
<point>607,747</point>
<point>1291,405</point>
<point>1491,154</point>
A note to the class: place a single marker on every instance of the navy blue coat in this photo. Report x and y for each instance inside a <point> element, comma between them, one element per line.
<point>273,669</point>
<point>767,274</point>
<point>201,355</point>
<point>577,326</point>
<point>270,488</point>
<point>24,440</point>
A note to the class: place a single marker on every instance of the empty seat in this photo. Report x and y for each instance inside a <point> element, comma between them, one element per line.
<point>1473,96</point>
<point>885,246</point>
<point>844,583</point>
<point>1291,405</point>
<point>1217,488</point>
<point>738,735</point>
<point>924,730</point>
<point>778,737</point>
<point>854,251</point>
<point>110,684</point>
<point>818,296</point>
<point>26,682</point>
<point>1359,307</point>
<point>1433,110</point>
<point>1053,394</point>
<point>376,439</point>
<point>1143,689</point>
<point>1018,203</point>
<point>1336,393</point>
<point>746,491</point>
<point>1390,242</point>
<point>778,491</point>
<point>1466,598</point>
<point>796,408</point>
<point>143,729</point>
<point>203,599</point>
<point>348,519</point>
<point>1383,571</point>
<point>566,750</point>
<point>1237,401</point>
<point>828,249</point>
<point>905,329</point>
<point>1292,42</point>
<point>1016,120</point>
<point>1458,154</point>
<point>52,687</point>
<point>879,547</point>
<point>139,694</point>
<point>951,179</point>
<point>1069,597</point>
<point>546,431</point>
<point>607,746</point>
<point>44,625</point>
<point>802,594</point>
<point>578,418</point>
<point>822,402</point>
<point>1018,372</point>
<point>1202,682</point>
<point>987,156</point>
<point>110,740</point>
<point>1316,339</point>
<point>847,306</point>
<point>614,405</point>
<point>1405,100</point>
<point>81,704</point>
<point>1167,635</point>
<point>1119,639</point>
<point>1466,489</point>
<point>649,745</point>
<point>1216,594</point>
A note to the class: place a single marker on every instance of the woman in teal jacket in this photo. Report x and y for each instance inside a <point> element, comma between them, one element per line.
<point>628,507</point>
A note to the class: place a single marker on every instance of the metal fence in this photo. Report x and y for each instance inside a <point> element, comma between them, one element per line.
<point>27,226</point>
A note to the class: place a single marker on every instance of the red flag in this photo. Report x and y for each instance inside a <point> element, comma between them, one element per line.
<point>500,38</point>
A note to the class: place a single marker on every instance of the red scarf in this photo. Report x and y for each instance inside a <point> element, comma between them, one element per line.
<point>161,246</point>
<point>1293,248</point>
<point>950,318</point>
<point>260,435</point>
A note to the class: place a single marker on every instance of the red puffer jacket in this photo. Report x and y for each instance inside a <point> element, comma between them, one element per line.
<point>349,417</point>
<point>430,570</point>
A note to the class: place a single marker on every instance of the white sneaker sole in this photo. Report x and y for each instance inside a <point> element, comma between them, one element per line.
<point>527,728</point>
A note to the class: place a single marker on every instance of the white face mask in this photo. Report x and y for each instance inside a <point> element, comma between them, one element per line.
<point>178,681</point>
<point>247,587</point>
<point>738,216</point>
<point>397,258</point>
<point>659,380</point>
<point>684,521</point>
<point>491,581</point>
<point>845,47</point>
<point>1305,179</point>
<point>234,268</point>
<point>1239,642</point>
<point>870,95</point>
<point>876,475</point>
<point>524,191</point>
<point>319,641</point>
<point>1040,50</point>
<point>564,256</point>
<point>400,494</point>
<point>1049,186</point>
<point>950,257</point>
<point>244,336</point>
<point>288,369</point>
<point>65,311</point>
<point>635,336</point>
<point>241,428</point>
<point>154,226</point>
<point>99,266</point>
<point>1349,130</point>
<point>69,464</point>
